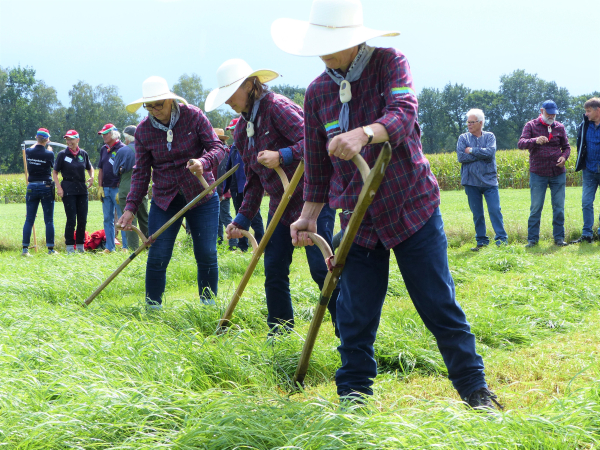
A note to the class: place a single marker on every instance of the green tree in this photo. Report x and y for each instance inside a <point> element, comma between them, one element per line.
<point>431,121</point>
<point>454,107</point>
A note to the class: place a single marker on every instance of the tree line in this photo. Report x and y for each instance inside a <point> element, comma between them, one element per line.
<point>27,103</point>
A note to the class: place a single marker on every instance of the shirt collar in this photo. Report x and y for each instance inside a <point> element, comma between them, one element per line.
<point>113,146</point>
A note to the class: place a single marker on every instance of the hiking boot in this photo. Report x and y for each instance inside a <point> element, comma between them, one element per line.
<point>26,254</point>
<point>560,243</point>
<point>483,399</point>
<point>479,247</point>
<point>531,244</point>
<point>583,239</point>
<point>51,251</point>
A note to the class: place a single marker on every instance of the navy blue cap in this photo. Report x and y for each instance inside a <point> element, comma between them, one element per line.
<point>550,107</point>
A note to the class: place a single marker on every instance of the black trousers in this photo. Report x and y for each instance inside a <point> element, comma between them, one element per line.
<point>76,210</point>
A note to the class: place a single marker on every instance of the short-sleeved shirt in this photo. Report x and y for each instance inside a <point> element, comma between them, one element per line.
<point>107,160</point>
<point>39,163</point>
<point>72,168</point>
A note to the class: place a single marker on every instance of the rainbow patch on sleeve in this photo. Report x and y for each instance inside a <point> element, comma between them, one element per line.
<point>403,91</point>
<point>331,125</point>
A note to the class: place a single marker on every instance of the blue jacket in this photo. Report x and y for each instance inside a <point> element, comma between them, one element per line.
<point>240,177</point>
<point>478,167</point>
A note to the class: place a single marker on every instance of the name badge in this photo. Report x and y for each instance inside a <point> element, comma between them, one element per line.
<point>112,162</point>
<point>68,159</point>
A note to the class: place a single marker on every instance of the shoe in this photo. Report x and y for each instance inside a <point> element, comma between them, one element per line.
<point>560,243</point>
<point>583,239</point>
<point>483,399</point>
<point>479,247</point>
<point>26,254</point>
<point>153,307</point>
<point>353,399</point>
<point>531,244</point>
<point>107,251</point>
<point>500,243</point>
<point>207,301</point>
<point>52,252</point>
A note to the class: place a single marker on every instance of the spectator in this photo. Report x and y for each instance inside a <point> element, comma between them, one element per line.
<point>108,184</point>
<point>476,151</point>
<point>588,160</point>
<point>40,189</point>
<point>123,167</point>
<point>548,145</point>
<point>364,98</point>
<point>174,143</point>
<point>235,185</point>
<point>72,163</point>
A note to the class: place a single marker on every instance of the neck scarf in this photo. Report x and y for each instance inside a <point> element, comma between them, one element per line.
<point>74,153</point>
<point>549,127</point>
<point>354,72</point>
<point>174,118</point>
<point>250,124</point>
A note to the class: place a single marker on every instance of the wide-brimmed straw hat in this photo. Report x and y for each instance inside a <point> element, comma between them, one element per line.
<point>333,26</point>
<point>221,134</point>
<point>230,77</point>
<point>153,89</point>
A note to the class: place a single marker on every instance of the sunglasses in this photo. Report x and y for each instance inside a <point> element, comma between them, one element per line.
<point>155,106</point>
<point>471,122</point>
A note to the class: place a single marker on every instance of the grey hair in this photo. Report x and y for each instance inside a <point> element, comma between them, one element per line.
<point>477,113</point>
<point>128,138</point>
<point>116,134</point>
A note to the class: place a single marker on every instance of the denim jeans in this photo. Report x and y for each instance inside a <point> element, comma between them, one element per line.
<point>537,187</point>
<point>475,195</point>
<point>225,219</point>
<point>37,193</point>
<point>591,181</point>
<point>423,263</point>
<point>76,210</point>
<point>278,257</point>
<point>203,221</point>
<point>256,224</point>
<point>109,205</point>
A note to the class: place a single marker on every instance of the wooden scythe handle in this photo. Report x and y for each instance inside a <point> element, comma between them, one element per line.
<point>322,244</point>
<point>284,179</point>
<point>200,177</point>
<point>251,239</point>
<point>137,231</point>
<point>362,165</point>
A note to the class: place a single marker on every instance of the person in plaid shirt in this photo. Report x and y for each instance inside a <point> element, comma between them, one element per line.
<point>174,143</point>
<point>270,134</point>
<point>404,216</point>
<point>548,145</point>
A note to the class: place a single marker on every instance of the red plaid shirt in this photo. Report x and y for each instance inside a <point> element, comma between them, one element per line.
<point>543,158</point>
<point>409,192</point>
<point>193,137</point>
<point>279,124</point>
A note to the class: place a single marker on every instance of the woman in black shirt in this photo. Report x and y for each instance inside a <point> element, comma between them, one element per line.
<point>72,163</point>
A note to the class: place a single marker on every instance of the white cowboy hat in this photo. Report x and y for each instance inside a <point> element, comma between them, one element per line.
<point>333,26</point>
<point>153,89</point>
<point>230,77</point>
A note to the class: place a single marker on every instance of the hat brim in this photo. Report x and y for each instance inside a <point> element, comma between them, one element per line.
<point>304,39</point>
<point>134,106</point>
<point>220,95</point>
<point>223,138</point>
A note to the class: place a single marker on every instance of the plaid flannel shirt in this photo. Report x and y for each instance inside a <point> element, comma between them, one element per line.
<point>278,126</point>
<point>193,137</point>
<point>409,192</point>
<point>543,158</point>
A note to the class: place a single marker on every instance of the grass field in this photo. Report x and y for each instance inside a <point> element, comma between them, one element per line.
<point>114,377</point>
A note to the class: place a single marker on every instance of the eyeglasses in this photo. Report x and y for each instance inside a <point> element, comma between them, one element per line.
<point>471,122</point>
<point>154,106</point>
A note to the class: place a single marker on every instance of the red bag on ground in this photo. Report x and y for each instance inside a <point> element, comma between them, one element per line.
<point>96,239</point>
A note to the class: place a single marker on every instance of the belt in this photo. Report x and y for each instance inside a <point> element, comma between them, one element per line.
<point>49,183</point>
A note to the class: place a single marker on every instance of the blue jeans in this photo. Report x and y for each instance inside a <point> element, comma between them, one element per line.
<point>423,263</point>
<point>225,219</point>
<point>475,195</point>
<point>108,209</point>
<point>537,187</point>
<point>37,193</point>
<point>278,257</point>
<point>591,181</point>
<point>256,224</point>
<point>203,221</point>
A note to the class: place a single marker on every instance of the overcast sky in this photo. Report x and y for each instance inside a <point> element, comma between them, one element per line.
<point>122,42</point>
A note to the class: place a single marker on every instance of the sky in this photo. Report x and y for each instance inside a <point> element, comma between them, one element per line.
<point>123,42</point>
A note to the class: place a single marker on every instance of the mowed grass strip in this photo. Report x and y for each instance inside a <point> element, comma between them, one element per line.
<point>114,376</point>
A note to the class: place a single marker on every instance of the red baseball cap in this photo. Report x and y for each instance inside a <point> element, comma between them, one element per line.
<point>71,134</point>
<point>232,124</point>
<point>106,128</point>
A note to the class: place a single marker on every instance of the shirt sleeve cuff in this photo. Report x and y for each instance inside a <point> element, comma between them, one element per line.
<point>286,154</point>
<point>242,222</point>
<point>205,165</point>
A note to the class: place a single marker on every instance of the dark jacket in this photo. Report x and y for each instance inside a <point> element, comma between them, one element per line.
<point>581,143</point>
<point>240,176</point>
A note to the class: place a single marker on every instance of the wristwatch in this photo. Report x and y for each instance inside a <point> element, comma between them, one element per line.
<point>369,132</point>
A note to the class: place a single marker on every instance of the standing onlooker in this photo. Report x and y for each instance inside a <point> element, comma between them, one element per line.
<point>72,163</point>
<point>548,145</point>
<point>108,183</point>
<point>476,151</point>
<point>123,167</point>
<point>39,189</point>
<point>588,160</point>
<point>224,194</point>
<point>235,185</point>
<point>363,98</point>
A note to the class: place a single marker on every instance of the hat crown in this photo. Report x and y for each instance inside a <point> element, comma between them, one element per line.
<point>336,13</point>
<point>154,86</point>
<point>231,71</point>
